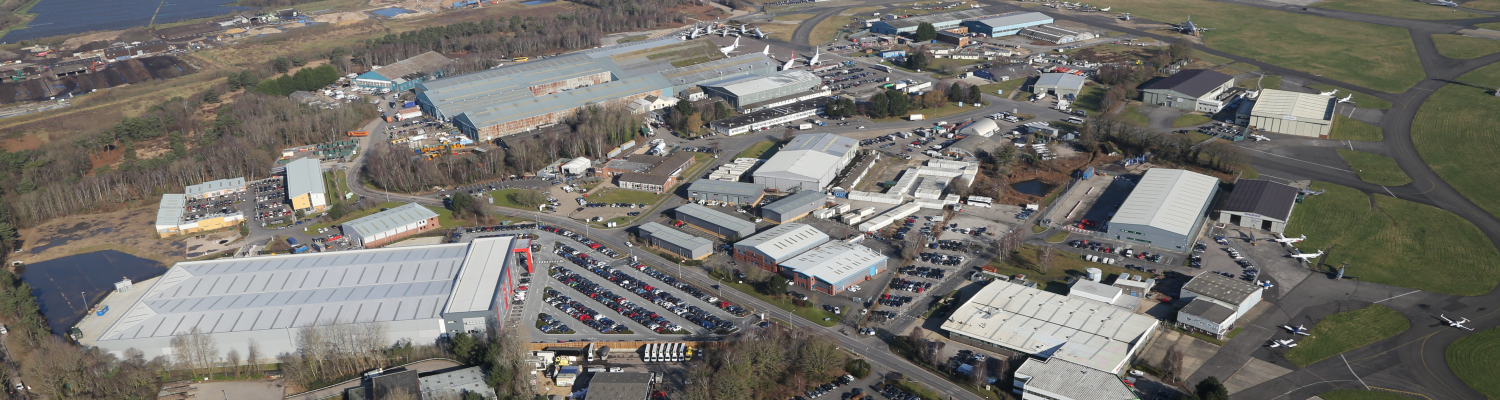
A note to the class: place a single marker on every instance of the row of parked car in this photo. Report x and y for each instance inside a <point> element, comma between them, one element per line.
<point>583,240</point>
<point>894,301</point>
<point>693,291</point>
<point>910,286</point>
<point>552,325</point>
<point>613,301</point>
<point>582,313</point>
<point>924,272</point>
<point>950,245</point>
<point>942,259</point>
<point>823,389</point>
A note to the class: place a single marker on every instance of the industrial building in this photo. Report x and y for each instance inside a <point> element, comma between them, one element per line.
<point>645,182</point>
<point>435,385</point>
<point>1189,89</point>
<point>1058,84</point>
<point>839,146</point>
<point>684,245</point>
<point>713,221</point>
<point>1215,303</point>
<point>1258,204</point>
<point>1095,291</point>
<point>769,249</point>
<point>620,386</point>
<point>726,192</point>
<point>1055,379</point>
<point>1055,34</point>
<point>388,226</point>
<point>764,119</point>
<point>941,21</point>
<point>415,294</point>
<point>211,189</point>
<point>405,74</point>
<point>1005,72</point>
<point>834,266</point>
<point>172,218</point>
<point>1165,209</point>
<point>794,207</point>
<point>756,89</point>
<point>1013,317</point>
<point>304,185</point>
<point>809,162</point>
<point>1007,24</point>
<point>660,178</point>
<point>576,167</point>
<point>1292,113</point>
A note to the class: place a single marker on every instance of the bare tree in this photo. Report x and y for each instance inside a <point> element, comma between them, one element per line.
<point>976,377</point>
<point>252,356</point>
<point>1044,259</point>
<point>232,360</point>
<point>194,350</point>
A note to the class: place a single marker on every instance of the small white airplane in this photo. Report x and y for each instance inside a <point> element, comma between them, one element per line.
<point>1347,99</point>
<point>1266,284</point>
<point>1105,9</point>
<point>1299,329</point>
<point>759,34</point>
<point>1284,239</point>
<point>1298,254</point>
<point>1283,343</point>
<point>1328,93</point>
<point>1259,138</point>
<point>817,52</point>
<point>731,48</point>
<point>1456,324</point>
<point>1445,3</point>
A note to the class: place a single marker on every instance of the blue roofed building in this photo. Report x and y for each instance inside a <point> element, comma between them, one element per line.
<point>405,74</point>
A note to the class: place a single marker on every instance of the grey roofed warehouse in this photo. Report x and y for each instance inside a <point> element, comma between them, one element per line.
<point>754,89</point>
<point>766,118</point>
<point>737,193</point>
<point>714,221</point>
<point>1165,208</point>
<point>1259,204</point>
<point>792,207</point>
<point>682,244</point>
<point>388,223</point>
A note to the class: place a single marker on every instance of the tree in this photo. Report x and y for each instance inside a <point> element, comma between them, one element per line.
<point>1210,389</point>
<point>934,99</point>
<point>210,95</point>
<point>900,105</point>
<point>232,360</point>
<point>721,111</point>
<point>252,355</point>
<point>974,97</point>
<point>879,106</point>
<point>337,211</point>
<point>955,93</point>
<point>194,350</point>
<point>694,124</point>
<point>839,108</point>
<point>1181,49</point>
<point>925,32</point>
<point>529,198</point>
<point>1044,259</point>
<point>917,60</point>
<point>463,346</point>
<point>281,64</point>
<point>976,377</point>
<point>776,286</point>
<point>858,367</point>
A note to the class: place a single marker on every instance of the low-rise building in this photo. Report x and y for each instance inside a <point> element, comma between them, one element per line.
<point>1013,317</point>
<point>764,119</point>
<point>1054,379</point>
<point>1055,34</point>
<point>1292,113</point>
<point>684,245</point>
<point>1225,301</point>
<point>388,226</point>
<point>1007,24</point>
<point>1189,89</point>
<point>304,185</point>
<point>755,89</point>
<point>713,221</point>
<point>1165,209</point>
<point>773,246</point>
<point>645,182</point>
<point>1259,204</point>
<point>834,266</point>
<point>620,386</point>
<point>172,218</point>
<point>1005,72</point>
<point>941,21</point>
<point>211,189</point>
<point>659,179</point>
<point>1059,84</point>
<point>731,193</point>
<point>405,74</point>
<point>794,207</point>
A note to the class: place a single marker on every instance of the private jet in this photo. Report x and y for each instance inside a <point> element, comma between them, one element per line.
<point>1283,343</point>
<point>1347,99</point>
<point>1190,28</point>
<point>1456,324</point>
<point>1445,3</point>
<point>1284,239</point>
<point>1259,138</point>
<point>1328,93</point>
<point>1266,284</point>
<point>1298,254</point>
<point>1105,9</point>
<point>1299,329</point>
<point>731,48</point>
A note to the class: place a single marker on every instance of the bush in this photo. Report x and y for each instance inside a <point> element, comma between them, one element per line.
<point>306,79</point>
<point>529,198</point>
<point>858,367</point>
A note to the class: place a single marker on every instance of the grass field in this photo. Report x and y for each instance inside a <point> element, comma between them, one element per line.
<point>1464,47</point>
<point>1134,116</point>
<point>1268,82</point>
<point>1373,56</point>
<point>1383,238</point>
<point>1491,5</point>
<point>1397,8</point>
<point>1346,331</point>
<point>761,149</point>
<point>1454,133</point>
<point>1361,100</point>
<point>1058,237</point>
<point>791,17</point>
<point>1361,395</point>
<point>1007,86</point>
<point>625,196</point>
<point>814,314</point>
<point>782,32</point>
<point>1064,264</point>
<point>1090,99</point>
<point>931,113</point>
<point>1191,120</point>
<point>1489,25</point>
<point>1345,128</point>
<point>827,30</point>
<point>1198,137</point>
<point>506,198</point>
<point>1375,168</point>
<point>1475,359</point>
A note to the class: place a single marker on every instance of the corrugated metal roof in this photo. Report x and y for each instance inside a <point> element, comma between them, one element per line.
<point>210,186</point>
<point>526,105</point>
<point>1192,82</point>
<point>756,84</point>
<point>1222,288</point>
<point>479,90</point>
<point>726,187</point>
<point>289,291</point>
<point>1208,310</point>
<point>795,201</point>
<point>387,220</point>
<point>940,18</point>
<point>169,212</point>
<point>1073,381</point>
<point>723,220</point>
<point>804,164</point>
<point>425,63</point>
<point>727,68</point>
<point>620,386</point>
<point>1262,197</point>
<point>835,145</point>
<point>674,236</point>
<point>1038,322</point>
<point>835,261</point>
<point>1168,199</point>
<point>1056,80</point>
<point>1006,21</point>
<point>304,176</point>
<point>1302,107</point>
<point>785,240</point>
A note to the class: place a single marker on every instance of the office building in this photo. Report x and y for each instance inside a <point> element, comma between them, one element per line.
<point>770,248</point>
<point>1189,89</point>
<point>389,226</point>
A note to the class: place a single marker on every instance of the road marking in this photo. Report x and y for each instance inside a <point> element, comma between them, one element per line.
<point>1350,143</point>
<point>1275,177</point>
<point>1297,159</point>
<point>1351,371</point>
<point>1399,295</point>
<point>1388,191</point>
<point>1402,391</point>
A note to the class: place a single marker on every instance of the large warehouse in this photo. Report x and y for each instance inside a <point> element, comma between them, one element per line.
<point>1165,209</point>
<point>304,185</point>
<point>834,266</point>
<point>682,244</point>
<point>1007,24</point>
<point>732,193</point>
<point>1259,204</point>
<point>808,161</point>
<point>756,89</point>
<point>769,249</point>
<point>1050,326</point>
<point>767,118</point>
<point>1058,84</point>
<point>417,293</point>
<point>1293,113</point>
<point>388,226</point>
<point>714,221</point>
<point>405,74</point>
<point>1039,379</point>
<point>794,207</point>
<point>1189,89</point>
<point>841,146</point>
<point>941,21</point>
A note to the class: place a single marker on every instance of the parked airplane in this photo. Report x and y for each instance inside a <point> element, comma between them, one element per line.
<point>1298,254</point>
<point>759,34</point>
<point>1347,99</point>
<point>816,53</point>
<point>1456,324</point>
<point>1283,239</point>
<point>790,62</point>
<point>731,48</point>
<point>1445,3</point>
<point>1299,329</point>
<point>1189,28</point>
<point>1105,9</point>
<point>1283,343</point>
<point>1328,93</point>
<point>767,51</point>
<point>1266,284</point>
<point>1259,138</point>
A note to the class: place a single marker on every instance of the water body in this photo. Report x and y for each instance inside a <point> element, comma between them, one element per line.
<point>391,12</point>
<point>537,2</point>
<point>62,285</point>
<point>1033,187</point>
<point>65,17</point>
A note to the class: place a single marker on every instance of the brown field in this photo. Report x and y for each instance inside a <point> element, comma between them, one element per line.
<point>129,231</point>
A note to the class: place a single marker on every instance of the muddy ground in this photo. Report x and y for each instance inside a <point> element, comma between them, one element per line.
<point>115,74</point>
<point>131,231</point>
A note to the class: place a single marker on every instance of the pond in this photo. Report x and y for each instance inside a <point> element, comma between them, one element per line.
<point>391,12</point>
<point>66,287</point>
<point>537,2</point>
<point>1033,187</point>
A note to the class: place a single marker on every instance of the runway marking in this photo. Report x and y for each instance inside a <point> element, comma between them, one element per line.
<point>1351,372</point>
<point>1388,191</point>
<point>1310,384</point>
<point>1350,143</point>
<point>1399,295</point>
<point>1297,159</point>
<point>1275,177</point>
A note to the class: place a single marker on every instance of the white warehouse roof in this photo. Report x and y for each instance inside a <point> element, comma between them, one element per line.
<point>387,220</point>
<point>809,165</point>
<point>1049,325</point>
<point>757,84</point>
<point>210,186</point>
<point>785,240</point>
<point>835,261</point>
<point>835,145</point>
<point>304,176</point>
<point>1169,199</point>
<point>1305,107</point>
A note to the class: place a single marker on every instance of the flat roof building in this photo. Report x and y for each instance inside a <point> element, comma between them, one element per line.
<point>755,89</point>
<point>713,221</point>
<point>1165,209</point>
<point>222,187</point>
<point>1293,113</point>
<point>842,147</point>
<point>1259,204</point>
<point>940,21</point>
<point>1224,300</point>
<point>1189,89</point>
<point>769,248</point>
<point>304,185</point>
<point>794,207</point>
<point>172,218</point>
<point>620,386</point>
<point>834,266</point>
<point>405,74</point>
<point>1007,24</point>
<point>687,246</point>
<point>416,293</point>
<point>1046,325</point>
<point>388,226</point>
<point>1054,379</point>
<point>764,119</point>
<point>1054,34</point>
<point>732,193</point>
<point>1059,84</point>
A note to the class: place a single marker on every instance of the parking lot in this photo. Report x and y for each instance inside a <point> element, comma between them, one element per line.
<point>270,201</point>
